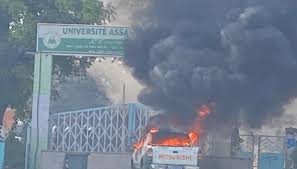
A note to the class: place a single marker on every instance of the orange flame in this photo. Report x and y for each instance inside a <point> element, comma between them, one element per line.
<point>154,130</point>
<point>138,145</point>
<point>204,111</point>
<point>175,142</point>
<point>193,136</point>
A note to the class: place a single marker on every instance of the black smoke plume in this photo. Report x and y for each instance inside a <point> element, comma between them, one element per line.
<point>240,56</point>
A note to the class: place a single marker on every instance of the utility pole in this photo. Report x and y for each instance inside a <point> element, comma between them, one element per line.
<point>124,93</point>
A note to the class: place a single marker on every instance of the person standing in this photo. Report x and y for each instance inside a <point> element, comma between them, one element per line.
<point>7,121</point>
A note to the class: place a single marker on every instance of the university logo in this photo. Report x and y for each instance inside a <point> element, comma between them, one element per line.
<point>51,40</point>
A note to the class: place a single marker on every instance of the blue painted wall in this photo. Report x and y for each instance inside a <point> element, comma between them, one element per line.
<point>2,153</point>
<point>271,161</point>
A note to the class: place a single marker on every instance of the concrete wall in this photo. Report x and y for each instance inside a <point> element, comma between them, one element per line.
<point>226,163</point>
<point>52,160</point>
<point>109,161</point>
<point>55,160</point>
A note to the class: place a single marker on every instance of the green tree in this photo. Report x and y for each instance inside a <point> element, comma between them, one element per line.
<point>18,27</point>
<point>18,19</point>
<point>15,76</point>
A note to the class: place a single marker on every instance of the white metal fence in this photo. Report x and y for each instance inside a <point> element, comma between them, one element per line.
<point>105,129</point>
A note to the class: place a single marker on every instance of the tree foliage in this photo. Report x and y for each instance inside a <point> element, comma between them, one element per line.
<point>19,19</point>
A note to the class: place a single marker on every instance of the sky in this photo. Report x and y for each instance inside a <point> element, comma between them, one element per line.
<point>114,75</point>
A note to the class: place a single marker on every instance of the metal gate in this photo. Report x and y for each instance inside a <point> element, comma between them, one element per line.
<point>247,144</point>
<point>271,152</point>
<point>105,129</point>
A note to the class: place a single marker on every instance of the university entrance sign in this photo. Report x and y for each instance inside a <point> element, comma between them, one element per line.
<point>63,40</point>
<point>81,39</point>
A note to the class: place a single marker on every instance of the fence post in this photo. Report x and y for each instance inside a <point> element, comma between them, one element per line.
<point>131,123</point>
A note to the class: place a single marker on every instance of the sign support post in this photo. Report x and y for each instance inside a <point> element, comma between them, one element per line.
<point>41,106</point>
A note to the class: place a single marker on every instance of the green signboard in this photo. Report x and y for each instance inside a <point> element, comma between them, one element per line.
<point>81,39</point>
